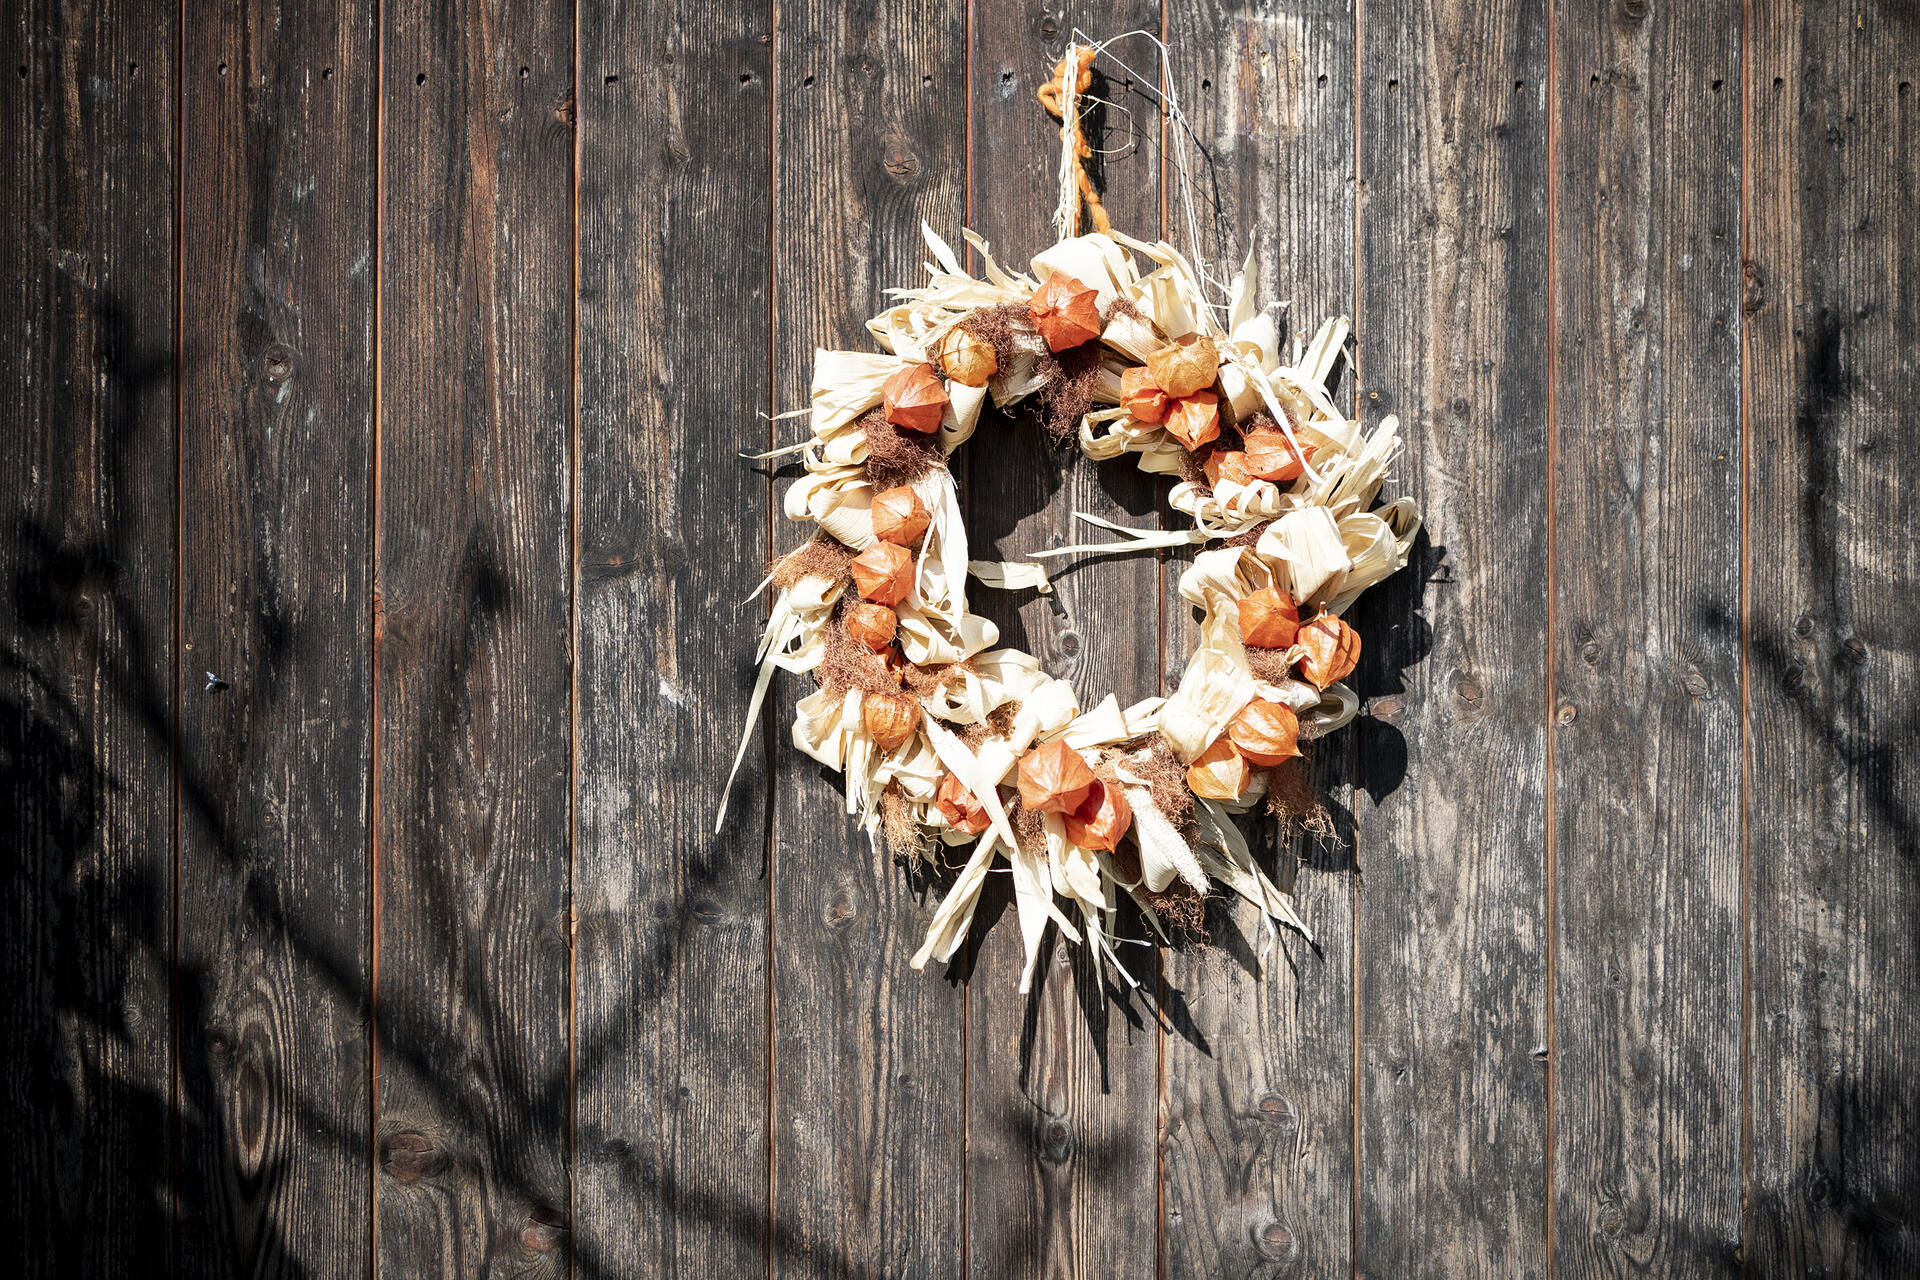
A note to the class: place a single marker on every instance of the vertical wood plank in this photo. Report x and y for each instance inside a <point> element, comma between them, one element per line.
<point>87,703</point>
<point>1062,1083</point>
<point>275,579</point>
<point>672,964</point>
<point>473,690</point>
<point>1259,1051</point>
<point>868,1068</point>
<point>1645,644</point>
<point>1833,638</point>
<point>1450,795</point>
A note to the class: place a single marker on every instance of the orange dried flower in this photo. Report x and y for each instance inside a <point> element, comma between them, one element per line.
<point>1142,396</point>
<point>872,625</point>
<point>967,359</point>
<point>914,398</point>
<point>1227,466</point>
<point>1102,818</point>
<point>1066,312</point>
<point>884,572</point>
<point>1220,772</point>
<point>1271,456</point>
<point>1333,650</point>
<point>890,717</point>
<point>1054,778</point>
<point>1268,619</point>
<point>960,806</point>
<point>899,516</point>
<point>1195,419</point>
<point>1185,366</point>
<point>1265,732</point>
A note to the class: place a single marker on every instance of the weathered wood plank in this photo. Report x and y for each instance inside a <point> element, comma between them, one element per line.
<point>1063,1083</point>
<point>1259,1054</point>
<point>1450,791</point>
<point>672,964</point>
<point>275,588</point>
<point>87,677</point>
<point>473,736</point>
<point>1645,644</point>
<point>1833,639</point>
<point>868,1105</point>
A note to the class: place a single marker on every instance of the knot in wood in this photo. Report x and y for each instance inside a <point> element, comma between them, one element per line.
<point>278,362</point>
<point>1274,1241</point>
<point>408,1157</point>
<point>1568,713</point>
<point>841,910</point>
<point>1056,1142</point>
<point>1466,688</point>
<point>1277,1111</point>
<point>1389,709</point>
<point>544,1231</point>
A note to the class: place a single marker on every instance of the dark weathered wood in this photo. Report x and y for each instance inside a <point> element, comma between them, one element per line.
<point>672,964</point>
<point>1833,639</point>
<point>1645,1163</point>
<point>1259,1071</point>
<point>1450,789</point>
<point>87,694</point>
<point>275,580</point>
<point>474,569</point>
<point>868,1066</point>
<point>1063,1083</point>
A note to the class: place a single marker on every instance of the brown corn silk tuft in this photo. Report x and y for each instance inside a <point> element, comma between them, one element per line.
<point>821,556</point>
<point>896,456</point>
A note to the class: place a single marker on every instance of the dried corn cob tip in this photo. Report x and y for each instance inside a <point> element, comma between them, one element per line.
<point>1141,396</point>
<point>1271,456</point>
<point>1266,733</point>
<point>967,360</point>
<point>883,573</point>
<point>1185,366</point>
<point>1054,778</point>
<point>891,718</point>
<point>1333,650</point>
<point>1066,312</point>
<point>872,625</point>
<point>961,807</point>
<point>1227,466</point>
<point>914,398</point>
<point>1268,619</point>
<point>1220,772</point>
<point>1102,818</point>
<point>1195,419</point>
<point>899,516</point>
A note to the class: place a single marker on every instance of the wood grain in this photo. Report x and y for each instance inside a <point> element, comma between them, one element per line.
<point>672,967</point>
<point>474,736</point>
<point>275,587</point>
<point>1645,642</point>
<point>868,1061</point>
<point>1062,1083</point>
<point>1450,798</point>
<point>87,692</point>
<point>1832,303</point>
<point>1259,1076</point>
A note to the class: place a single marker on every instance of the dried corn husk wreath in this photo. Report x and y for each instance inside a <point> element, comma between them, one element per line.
<point>944,738</point>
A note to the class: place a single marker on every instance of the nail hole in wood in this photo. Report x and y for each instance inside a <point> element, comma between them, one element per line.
<point>420,79</point>
<point>326,73</point>
<point>1717,84</point>
<point>223,68</point>
<point>1323,77</point>
<point>1392,85</point>
<point>1519,86</point>
<point>808,82</point>
<point>613,79</point>
<point>523,73</point>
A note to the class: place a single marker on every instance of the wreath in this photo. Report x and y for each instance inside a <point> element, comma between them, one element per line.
<point>947,741</point>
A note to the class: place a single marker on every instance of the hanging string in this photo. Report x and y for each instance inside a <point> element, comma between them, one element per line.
<point>1060,96</point>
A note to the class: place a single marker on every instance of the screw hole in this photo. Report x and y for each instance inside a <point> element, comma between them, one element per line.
<point>420,79</point>
<point>1717,84</point>
<point>523,73</point>
<point>1594,83</point>
<point>133,68</point>
<point>926,82</point>
<point>1206,84</point>
<point>613,79</point>
<point>23,73</point>
<point>808,82</point>
<point>1392,85</point>
<point>1323,77</point>
<point>1519,86</point>
<point>223,68</point>
<point>327,74</point>
<point>1777,82</point>
<point>747,78</point>
<point>1904,86</point>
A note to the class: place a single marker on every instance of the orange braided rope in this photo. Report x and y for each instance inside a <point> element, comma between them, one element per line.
<point>1053,93</point>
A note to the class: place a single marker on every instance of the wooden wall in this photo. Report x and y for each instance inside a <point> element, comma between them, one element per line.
<point>375,640</point>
